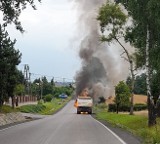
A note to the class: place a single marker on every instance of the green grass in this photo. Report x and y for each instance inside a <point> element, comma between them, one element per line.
<point>133,123</point>
<point>47,108</point>
<point>7,109</point>
<point>32,108</point>
<point>53,106</point>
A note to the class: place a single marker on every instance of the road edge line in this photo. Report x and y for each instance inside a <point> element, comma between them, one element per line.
<point>114,134</point>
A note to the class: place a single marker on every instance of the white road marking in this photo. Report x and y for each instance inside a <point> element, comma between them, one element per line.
<point>111,131</point>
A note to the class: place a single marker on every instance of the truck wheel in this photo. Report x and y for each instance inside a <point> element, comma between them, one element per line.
<point>78,112</point>
<point>90,112</point>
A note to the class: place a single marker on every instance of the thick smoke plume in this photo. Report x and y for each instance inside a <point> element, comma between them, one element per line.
<point>101,64</point>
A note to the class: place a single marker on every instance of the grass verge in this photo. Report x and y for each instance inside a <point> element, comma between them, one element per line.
<point>7,109</point>
<point>47,108</point>
<point>135,124</point>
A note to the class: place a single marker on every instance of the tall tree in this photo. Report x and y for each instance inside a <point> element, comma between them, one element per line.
<point>144,35</point>
<point>113,19</point>
<point>10,58</point>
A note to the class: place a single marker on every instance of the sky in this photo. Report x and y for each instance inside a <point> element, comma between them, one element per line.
<point>47,44</point>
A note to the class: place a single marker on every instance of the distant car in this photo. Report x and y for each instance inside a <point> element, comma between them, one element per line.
<point>63,96</point>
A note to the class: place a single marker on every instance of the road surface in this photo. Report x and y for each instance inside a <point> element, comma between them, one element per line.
<point>65,127</point>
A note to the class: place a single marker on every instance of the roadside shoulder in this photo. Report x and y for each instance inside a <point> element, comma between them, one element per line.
<point>126,136</point>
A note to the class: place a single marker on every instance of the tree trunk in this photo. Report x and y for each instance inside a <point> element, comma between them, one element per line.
<point>117,108</point>
<point>151,113</point>
<point>13,100</point>
<point>158,107</point>
<point>129,59</point>
<point>151,106</point>
<point>132,89</point>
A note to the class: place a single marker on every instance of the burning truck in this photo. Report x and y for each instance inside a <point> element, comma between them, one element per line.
<point>84,102</point>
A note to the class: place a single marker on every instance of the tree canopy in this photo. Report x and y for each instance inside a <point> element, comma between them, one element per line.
<point>10,58</point>
<point>122,93</point>
<point>12,9</point>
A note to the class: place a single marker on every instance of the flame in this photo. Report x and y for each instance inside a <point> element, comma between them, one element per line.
<point>84,93</point>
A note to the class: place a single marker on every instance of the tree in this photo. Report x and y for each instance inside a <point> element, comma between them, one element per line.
<point>20,77</point>
<point>139,85</point>
<point>19,89</point>
<point>113,19</point>
<point>12,9</point>
<point>122,93</point>
<point>52,82</point>
<point>10,58</point>
<point>144,35</point>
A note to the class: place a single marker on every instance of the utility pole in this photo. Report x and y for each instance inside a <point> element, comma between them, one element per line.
<point>26,77</point>
<point>41,85</point>
<point>30,86</point>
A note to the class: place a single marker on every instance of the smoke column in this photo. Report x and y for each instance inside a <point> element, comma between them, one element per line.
<point>101,65</point>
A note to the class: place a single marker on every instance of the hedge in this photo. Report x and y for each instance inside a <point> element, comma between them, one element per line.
<point>126,108</point>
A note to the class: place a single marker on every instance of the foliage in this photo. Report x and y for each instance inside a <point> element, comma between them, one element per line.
<point>46,87</point>
<point>112,19</point>
<point>48,98</point>
<point>126,108</point>
<point>7,109</point>
<point>145,13</point>
<point>54,106</point>
<point>59,90</point>
<point>41,101</point>
<point>12,9</point>
<point>32,108</point>
<point>45,108</point>
<point>20,77</point>
<point>123,108</point>
<point>139,107</point>
<point>122,95</point>
<point>19,89</point>
<point>139,85</point>
<point>10,58</point>
<point>144,35</point>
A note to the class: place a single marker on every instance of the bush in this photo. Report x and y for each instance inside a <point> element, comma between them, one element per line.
<point>48,98</point>
<point>102,106</point>
<point>113,107</point>
<point>41,101</point>
<point>126,108</point>
<point>139,107</point>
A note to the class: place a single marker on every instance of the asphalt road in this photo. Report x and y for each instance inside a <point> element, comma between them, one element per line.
<point>65,127</point>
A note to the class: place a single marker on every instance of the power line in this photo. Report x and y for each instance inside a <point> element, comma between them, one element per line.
<point>54,78</point>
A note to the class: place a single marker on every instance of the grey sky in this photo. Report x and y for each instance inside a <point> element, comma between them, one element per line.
<point>46,45</point>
